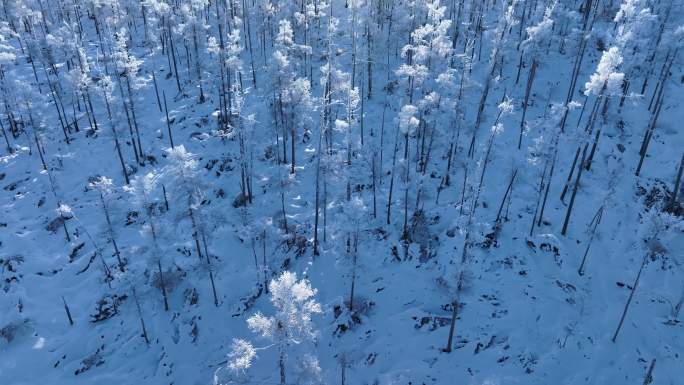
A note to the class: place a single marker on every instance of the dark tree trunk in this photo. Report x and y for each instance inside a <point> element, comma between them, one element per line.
<point>454,314</point>
<point>574,192</point>
<point>629,300</point>
<point>168,122</point>
<point>68,312</point>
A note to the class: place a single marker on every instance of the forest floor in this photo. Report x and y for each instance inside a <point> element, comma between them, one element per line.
<point>526,316</point>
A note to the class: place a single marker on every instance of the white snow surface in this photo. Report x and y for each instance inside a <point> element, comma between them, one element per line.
<point>526,315</point>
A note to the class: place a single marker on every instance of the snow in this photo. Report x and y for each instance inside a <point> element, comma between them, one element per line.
<point>524,316</point>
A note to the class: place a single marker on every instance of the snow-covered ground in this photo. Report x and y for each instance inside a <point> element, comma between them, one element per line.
<point>525,315</point>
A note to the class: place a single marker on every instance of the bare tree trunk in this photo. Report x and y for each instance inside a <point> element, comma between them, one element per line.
<point>68,313</point>
<point>369,62</point>
<point>142,321</point>
<point>454,312</point>
<point>162,284</point>
<point>647,138</point>
<point>574,192</point>
<point>353,280</point>
<point>539,197</point>
<point>292,149</point>
<point>595,222</point>
<point>391,186</point>
<point>675,189</point>
<point>649,374</point>
<point>211,271</point>
<point>110,229</point>
<point>405,234</point>
<point>678,307</point>
<point>593,149</point>
<point>317,199</point>
<point>446,178</point>
<point>4,134</point>
<point>116,141</point>
<point>281,360</point>
<point>508,190</point>
<point>572,170</point>
<point>134,142</point>
<point>528,90</point>
<point>156,90</point>
<point>168,122</point>
<point>343,365</point>
<point>248,32</point>
<point>629,300</point>
<point>263,261</point>
<point>374,182</point>
<point>135,121</point>
<point>92,111</point>
<point>198,68</point>
<point>173,55</point>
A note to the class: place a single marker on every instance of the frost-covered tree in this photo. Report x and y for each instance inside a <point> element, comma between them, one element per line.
<point>227,49</point>
<point>191,26</point>
<point>298,102</point>
<point>429,47</point>
<point>141,189</point>
<point>408,123</point>
<point>106,88</point>
<point>538,37</point>
<point>656,229</point>
<point>105,188</point>
<point>187,190</point>
<point>291,325</point>
<point>81,82</point>
<point>353,212</point>
<point>128,66</point>
<point>634,24</point>
<point>292,95</point>
<point>7,57</point>
<point>183,175</point>
<point>607,74</point>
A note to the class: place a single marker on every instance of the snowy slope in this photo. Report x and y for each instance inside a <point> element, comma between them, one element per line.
<point>526,316</point>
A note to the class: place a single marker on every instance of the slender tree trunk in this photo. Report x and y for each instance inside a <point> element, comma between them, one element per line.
<point>166,200</point>
<point>130,125</point>
<point>68,312</point>
<point>4,134</point>
<point>135,121</point>
<point>649,374</point>
<point>281,360</point>
<point>528,91</point>
<point>572,170</point>
<point>168,121</point>
<point>595,222</point>
<point>211,270</point>
<point>454,314</point>
<point>162,284</point>
<point>142,321</point>
<point>292,149</point>
<point>508,190</point>
<point>391,186</point>
<point>374,185</point>
<point>317,205</point>
<point>647,139</point>
<point>110,228</point>
<point>678,180</point>
<point>173,55</point>
<point>574,193</point>
<point>353,280</point>
<point>629,300</point>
